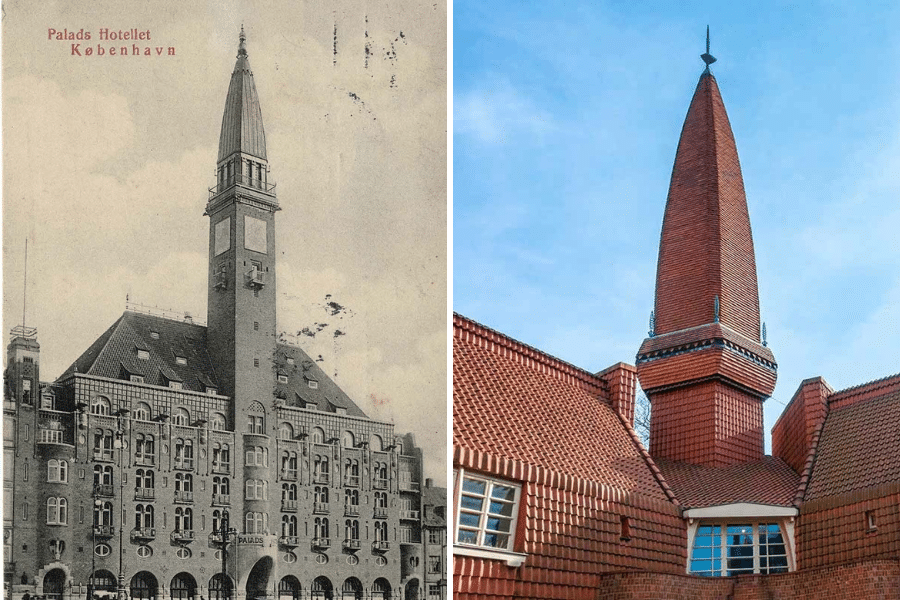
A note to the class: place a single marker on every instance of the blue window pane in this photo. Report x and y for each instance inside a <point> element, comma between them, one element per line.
<point>498,525</point>
<point>471,503</point>
<point>469,520</point>
<point>740,564</point>
<point>466,537</point>
<point>701,565</point>
<point>706,541</point>
<point>500,508</point>
<point>495,540</point>
<point>701,553</point>
<point>474,486</point>
<point>503,492</point>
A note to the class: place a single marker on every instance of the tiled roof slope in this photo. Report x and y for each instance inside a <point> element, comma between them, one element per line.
<point>706,246</point>
<point>509,402</point>
<point>769,481</point>
<point>436,497</point>
<point>859,447</point>
<point>327,395</point>
<point>115,352</point>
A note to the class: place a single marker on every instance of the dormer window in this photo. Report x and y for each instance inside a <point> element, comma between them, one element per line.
<point>143,354</point>
<point>282,379</point>
<point>313,384</point>
<point>211,391</point>
<point>136,378</point>
<point>180,360</point>
<point>290,360</point>
<point>154,335</point>
<point>340,410</point>
<point>176,385</point>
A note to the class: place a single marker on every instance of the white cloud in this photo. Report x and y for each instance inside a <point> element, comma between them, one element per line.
<point>499,114</point>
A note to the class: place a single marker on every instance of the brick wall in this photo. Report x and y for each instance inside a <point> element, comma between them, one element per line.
<point>571,531</point>
<point>793,432</point>
<point>871,580</point>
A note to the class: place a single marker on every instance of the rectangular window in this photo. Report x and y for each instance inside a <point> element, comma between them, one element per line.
<point>180,360</point>
<point>736,549</point>
<point>143,355</point>
<point>434,564</point>
<point>486,512</point>
<point>256,362</point>
<point>137,378</point>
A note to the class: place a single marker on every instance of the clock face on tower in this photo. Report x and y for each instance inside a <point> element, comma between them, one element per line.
<point>223,236</point>
<point>254,234</point>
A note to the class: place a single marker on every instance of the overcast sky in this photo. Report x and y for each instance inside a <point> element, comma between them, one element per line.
<point>566,121</point>
<point>107,161</point>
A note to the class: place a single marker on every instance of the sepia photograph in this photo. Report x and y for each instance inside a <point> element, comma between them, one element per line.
<point>225,290</point>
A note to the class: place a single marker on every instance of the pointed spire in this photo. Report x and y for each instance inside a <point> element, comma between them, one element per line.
<point>242,47</point>
<point>707,57</point>
<point>242,125</point>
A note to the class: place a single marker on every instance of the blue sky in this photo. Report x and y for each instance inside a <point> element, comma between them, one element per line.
<point>566,120</point>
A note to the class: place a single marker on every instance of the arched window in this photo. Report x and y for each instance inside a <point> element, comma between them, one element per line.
<point>57,511</point>
<point>181,417</point>
<point>219,587</point>
<point>381,499</point>
<point>351,529</point>
<point>100,406</point>
<point>375,443</point>
<point>103,475</point>
<point>184,519</point>
<point>144,448</point>
<point>103,444</point>
<point>320,493</point>
<point>317,436</point>
<point>381,532</point>
<point>256,418</point>
<point>141,412</point>
<point>321,468</point>
<point>321,589</point>
<point>103,512</point>
<point>321,527</point>
<point>351,499</point>
<point>183,587</point>
<point>381,589</point>
<point>217,421</point>
<point>184,454</point>
<point>143,516</point>
<point>143,586</point>
<point>347,439</point>
<point>286,432</point>
<point>289,525</point>
<point>351,472</point>
<point>289,492</point>
<point>352,589</point>
<point>289,588</point>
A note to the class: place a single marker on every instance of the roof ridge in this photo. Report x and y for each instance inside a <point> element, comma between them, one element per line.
<point>863,391</point>
<point>806,474</point>
<point>531,356</point>
<point>651,464</point>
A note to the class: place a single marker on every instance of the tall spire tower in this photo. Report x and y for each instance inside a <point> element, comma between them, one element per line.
<point>705,367</point>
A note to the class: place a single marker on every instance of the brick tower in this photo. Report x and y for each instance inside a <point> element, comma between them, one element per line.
<point>241,303</point>
<point>705,367</point>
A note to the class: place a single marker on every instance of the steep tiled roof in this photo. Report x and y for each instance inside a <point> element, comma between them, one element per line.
<point>859,446</point>
<point>435,497</point>
<point>115,353</point>
<point>769,481</point>
<point>297,392</point>
<point>509,401</point>
<point>706,247</point>
<point>242,125</point>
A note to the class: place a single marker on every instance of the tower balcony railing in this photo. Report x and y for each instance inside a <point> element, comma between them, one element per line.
<point>289,506</point>
<point>252,182</point>
<point>351,510</point>
<point>380,512</point>
<point>381,545</point>
<point>184,497</point>
<point>104,531</point>
<point>183,535</point>
<point>51,436</point>
<point>256,278</point>
<point>103,490</point>
<point>144,494</point>
<point>143,533</point>
<point>321,542</point>
<point>291,541</point>
<point>351,544</point>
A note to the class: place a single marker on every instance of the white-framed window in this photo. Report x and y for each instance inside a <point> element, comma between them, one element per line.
<point>180,360</point>
<point>57,511</point>
<point>217,421</point>
<point>176,385</point>
<point>100,406</point>
<point>57,471</point>
<point>256,489</point>
<point>141,412</point>
<point>181,417</point>
<point>136,378</point>
<point>727,549</point>
<point>143,354</point>
<point>487,511</point>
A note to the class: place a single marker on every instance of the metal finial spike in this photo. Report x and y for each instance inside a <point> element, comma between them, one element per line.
<point>242,48</point>
<point>707,57</point>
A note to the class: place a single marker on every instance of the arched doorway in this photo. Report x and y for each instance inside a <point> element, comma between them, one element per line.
<point>381,589</point>
<point>321,589</point>
<point>289,588</point>
<point>220,587</point>
<point>258,580</point>
<point>184,587</point>
<point>54,584</point>
<point>103,584</point>
<point>144,586</point>
<point>412,590</point>
<point>352,589</point>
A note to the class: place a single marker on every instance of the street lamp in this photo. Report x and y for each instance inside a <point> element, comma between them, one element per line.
<point>225,531</point>
<point>120,444</point>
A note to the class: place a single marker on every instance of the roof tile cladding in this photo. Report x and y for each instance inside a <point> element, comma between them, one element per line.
<point>514,406</point>
<point>706,246</point>
<point>859,447</point>
<point>327,395</point>
<point>769,481</point>
<point>116,351</point>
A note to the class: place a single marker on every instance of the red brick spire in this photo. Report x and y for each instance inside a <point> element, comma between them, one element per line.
<point>706,248</point>
<point>704,367</point>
